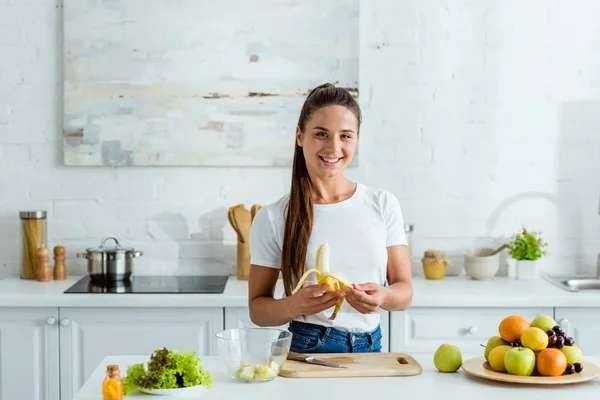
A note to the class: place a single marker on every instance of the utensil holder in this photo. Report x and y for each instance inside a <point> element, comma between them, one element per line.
<point>243,260</point>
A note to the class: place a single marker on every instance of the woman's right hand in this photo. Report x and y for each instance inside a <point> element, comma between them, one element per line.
<point>312,300</point>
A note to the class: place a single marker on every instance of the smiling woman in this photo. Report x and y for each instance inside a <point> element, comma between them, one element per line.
<point>363,227</point>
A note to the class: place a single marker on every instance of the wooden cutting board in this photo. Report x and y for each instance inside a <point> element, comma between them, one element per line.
<point>359,365</point>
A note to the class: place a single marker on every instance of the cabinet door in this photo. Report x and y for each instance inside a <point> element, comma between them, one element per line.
<point>238,317</point>
<point>424,329</point>
<point>87,335</point>
<point>583,325</point>
<point>29,366</point>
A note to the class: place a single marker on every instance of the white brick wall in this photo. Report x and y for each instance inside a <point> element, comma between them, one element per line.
<point>480,117</point>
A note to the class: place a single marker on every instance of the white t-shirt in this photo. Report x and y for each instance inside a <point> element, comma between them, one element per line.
<point>357,229</point>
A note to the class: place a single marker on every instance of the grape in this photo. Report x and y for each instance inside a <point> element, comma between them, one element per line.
<point>552,341</point>
<point>578,367</point>
<point>550,333</point>
<point>570,369</point>
<point>569,341</point>
<point>557,329</point>
<point>517,343</point>
<point>560,341</point>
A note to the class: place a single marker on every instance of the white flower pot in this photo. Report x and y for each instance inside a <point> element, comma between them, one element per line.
<point>511,270</point>
<point>527,269</point>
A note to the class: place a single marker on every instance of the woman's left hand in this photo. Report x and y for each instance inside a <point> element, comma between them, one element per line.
<point>366,298</point>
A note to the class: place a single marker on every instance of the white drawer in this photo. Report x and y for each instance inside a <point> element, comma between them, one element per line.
<point>425,329</point>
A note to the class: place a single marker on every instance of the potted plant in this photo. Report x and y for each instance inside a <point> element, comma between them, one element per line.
<point>526,248</point>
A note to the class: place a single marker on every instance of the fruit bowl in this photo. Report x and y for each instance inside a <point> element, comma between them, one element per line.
<point>537,351</point>
<point>254,354</point>
<point>479,367</point>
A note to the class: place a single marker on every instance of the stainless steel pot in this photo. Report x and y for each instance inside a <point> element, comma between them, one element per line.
<point>110,263</point>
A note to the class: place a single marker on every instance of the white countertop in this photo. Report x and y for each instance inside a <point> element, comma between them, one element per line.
<point>430,384</point>
<point>458,291</point>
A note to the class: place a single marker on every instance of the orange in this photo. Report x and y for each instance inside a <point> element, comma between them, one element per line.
<point>551,362</point>
<point>511,328</point>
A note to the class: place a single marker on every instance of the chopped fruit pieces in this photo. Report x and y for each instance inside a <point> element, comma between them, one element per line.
<point>249,372</point>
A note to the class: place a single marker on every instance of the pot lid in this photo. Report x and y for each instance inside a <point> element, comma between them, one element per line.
<point>115,248</point>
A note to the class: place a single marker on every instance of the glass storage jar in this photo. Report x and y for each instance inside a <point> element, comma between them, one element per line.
<point>408,230</point>
<point>33,236</point>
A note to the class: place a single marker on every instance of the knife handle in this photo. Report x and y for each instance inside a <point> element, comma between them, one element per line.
<point>296,356</point>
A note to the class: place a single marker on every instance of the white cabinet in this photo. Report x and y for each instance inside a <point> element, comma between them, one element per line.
<point>239,317</point>
<point>87,335</point>
<point>583,325</point>
<point>29,364</point>
<point>424,329</point>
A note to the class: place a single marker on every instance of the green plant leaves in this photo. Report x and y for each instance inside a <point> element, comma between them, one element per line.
<point>527,246</point>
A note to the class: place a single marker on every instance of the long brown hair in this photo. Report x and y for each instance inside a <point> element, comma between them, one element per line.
<point>299,210</point>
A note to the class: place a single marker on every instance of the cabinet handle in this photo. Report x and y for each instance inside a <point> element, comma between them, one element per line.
<point>50,321</point>
<point>64,322</point>
<point>472,330</point>
<point>563,323</point>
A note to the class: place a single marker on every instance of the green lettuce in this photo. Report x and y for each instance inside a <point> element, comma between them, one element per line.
<point>167,369</point>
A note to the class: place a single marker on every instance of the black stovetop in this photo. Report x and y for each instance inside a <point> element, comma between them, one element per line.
<point>214,284</point>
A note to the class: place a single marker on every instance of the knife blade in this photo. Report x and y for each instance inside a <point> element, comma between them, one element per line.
<point>310,359</point>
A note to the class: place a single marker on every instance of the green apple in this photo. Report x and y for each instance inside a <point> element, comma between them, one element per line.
<point>492,343</point>
<point>544,322</point>
<point>447,358</point>
<point>573,354</point>
<point>519,361</point>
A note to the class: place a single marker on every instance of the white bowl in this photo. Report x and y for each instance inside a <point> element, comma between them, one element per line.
<point>480,265</point>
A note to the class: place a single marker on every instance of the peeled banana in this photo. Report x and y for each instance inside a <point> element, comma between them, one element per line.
<point>335,280</point>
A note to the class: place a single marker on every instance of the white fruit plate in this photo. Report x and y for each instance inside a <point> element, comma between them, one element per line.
<point>479,367</point>
<point>193,391</point>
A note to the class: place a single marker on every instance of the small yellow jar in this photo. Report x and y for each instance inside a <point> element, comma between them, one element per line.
<point>434,264</point>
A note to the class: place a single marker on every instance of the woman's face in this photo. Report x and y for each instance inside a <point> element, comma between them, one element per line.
<point>329,140</point>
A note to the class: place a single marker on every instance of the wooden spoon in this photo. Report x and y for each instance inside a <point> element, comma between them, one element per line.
<point>233,222</point>
<point>243,218</point>
<point>254,210</point>
<point>499,249</point>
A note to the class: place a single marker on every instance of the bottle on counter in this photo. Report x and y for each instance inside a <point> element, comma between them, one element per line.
<point>112,385</point>
<point>33,236</point>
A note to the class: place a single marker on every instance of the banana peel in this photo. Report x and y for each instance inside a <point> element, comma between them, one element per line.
<point>335,280</point>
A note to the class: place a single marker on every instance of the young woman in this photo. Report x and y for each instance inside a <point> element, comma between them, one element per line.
<point>363,227</point>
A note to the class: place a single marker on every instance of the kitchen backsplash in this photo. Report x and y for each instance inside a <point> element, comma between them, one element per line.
<point>478,116</point>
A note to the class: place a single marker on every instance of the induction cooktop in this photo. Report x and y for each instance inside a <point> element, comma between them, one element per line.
<point>154,284</point>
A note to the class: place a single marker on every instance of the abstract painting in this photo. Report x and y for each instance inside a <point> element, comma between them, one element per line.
<point>198,82</point>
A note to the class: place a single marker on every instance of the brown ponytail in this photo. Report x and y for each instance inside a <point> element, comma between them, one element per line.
<point>299,210</point>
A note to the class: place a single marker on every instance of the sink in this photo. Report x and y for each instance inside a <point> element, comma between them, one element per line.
<point>576,283</point>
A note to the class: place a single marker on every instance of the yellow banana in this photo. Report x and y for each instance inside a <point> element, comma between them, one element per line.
<point>335,280</point>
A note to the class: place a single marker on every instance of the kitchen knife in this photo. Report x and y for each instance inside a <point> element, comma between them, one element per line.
<point>310,359</point>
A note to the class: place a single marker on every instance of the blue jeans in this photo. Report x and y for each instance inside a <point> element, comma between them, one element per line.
<point>311,338</point>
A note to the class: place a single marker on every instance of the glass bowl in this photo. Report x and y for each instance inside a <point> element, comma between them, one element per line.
<point>254,354</point>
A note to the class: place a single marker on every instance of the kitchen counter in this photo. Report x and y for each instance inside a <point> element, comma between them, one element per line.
<point>430,384</point>
<point>450,292</point>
